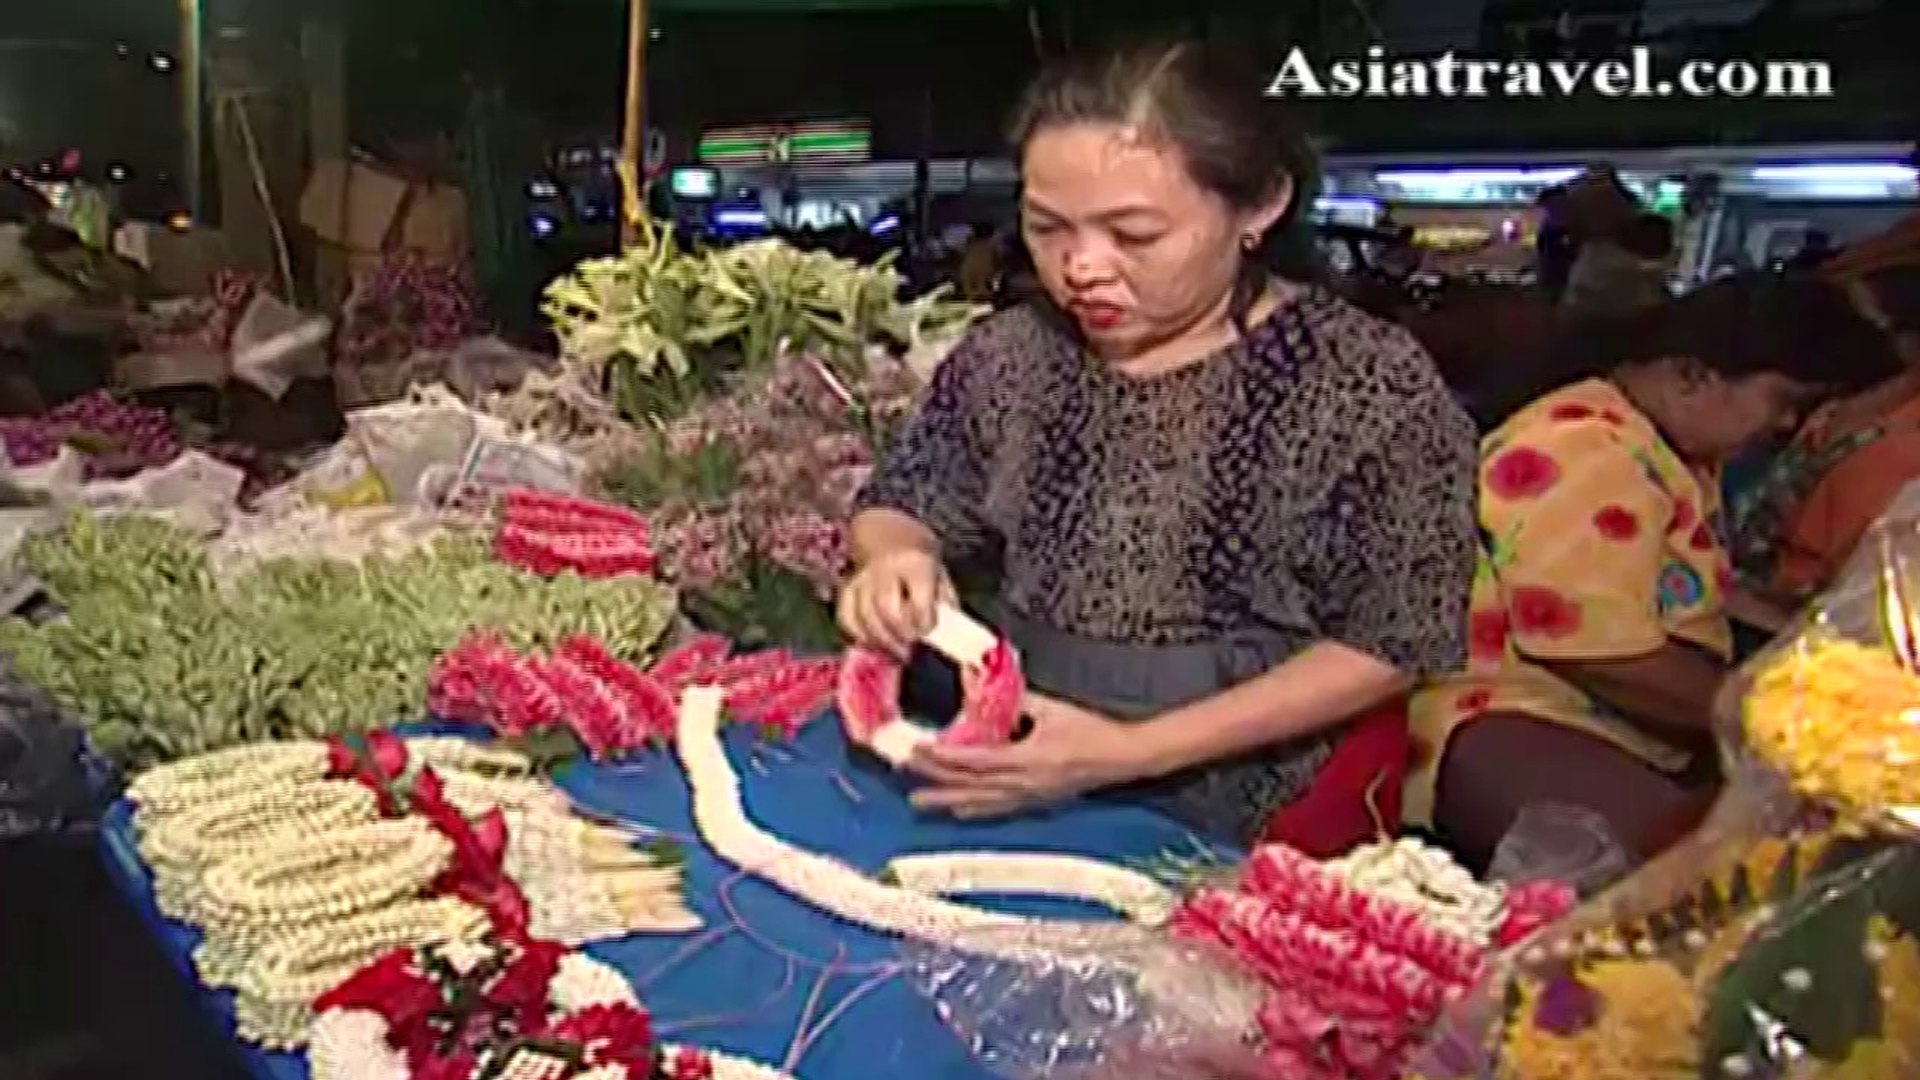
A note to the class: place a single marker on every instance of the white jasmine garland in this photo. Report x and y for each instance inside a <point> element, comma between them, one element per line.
<point>839,889</point>
<point>962,873</point>
<point>1427,880</point>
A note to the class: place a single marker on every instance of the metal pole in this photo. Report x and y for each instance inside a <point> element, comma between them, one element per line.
<point>633,142</point>
<point>192,72</point>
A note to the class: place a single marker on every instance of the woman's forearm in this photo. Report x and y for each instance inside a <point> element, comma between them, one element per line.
<point>878,531</point>
<point>1323,686</point>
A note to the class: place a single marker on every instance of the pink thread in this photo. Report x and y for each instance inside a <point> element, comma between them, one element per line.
<point>813,1002</point>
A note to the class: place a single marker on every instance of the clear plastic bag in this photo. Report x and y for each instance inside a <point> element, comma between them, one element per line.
<point>1560,842</point>
<point>1289,970</point>
<point>1781,939</point>
<point>1151,1010</point>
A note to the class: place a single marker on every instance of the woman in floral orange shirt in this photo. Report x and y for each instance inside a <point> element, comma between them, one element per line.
<point>1598,626</point>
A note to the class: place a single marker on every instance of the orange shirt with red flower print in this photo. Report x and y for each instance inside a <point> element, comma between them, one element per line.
<point>1597,543</point>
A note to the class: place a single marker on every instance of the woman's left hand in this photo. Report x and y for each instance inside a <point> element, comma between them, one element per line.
<point>1069,751</point>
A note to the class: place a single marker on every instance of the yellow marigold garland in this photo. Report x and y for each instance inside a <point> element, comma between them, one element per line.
<point>1647,1028</point>
<point>1842,721</point>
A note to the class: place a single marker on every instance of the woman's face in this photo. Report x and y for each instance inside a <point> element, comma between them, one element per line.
<point>1124,239</point>
<point>1715,418</point>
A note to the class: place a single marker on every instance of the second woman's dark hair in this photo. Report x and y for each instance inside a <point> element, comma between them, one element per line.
<point>1788,323</point>
<point>1212,108</point>
<point>1897,291</point>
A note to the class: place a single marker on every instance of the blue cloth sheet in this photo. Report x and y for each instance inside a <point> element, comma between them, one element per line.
<point>736,994</point>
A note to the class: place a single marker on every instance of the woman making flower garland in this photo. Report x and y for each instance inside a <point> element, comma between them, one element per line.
<point>1234,512</point>
<point>1599,624</point>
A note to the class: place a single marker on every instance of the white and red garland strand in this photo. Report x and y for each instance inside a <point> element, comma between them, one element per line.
<point>583,1002</point>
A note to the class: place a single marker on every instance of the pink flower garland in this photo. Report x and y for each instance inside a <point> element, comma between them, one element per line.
<point>551,534</point>
<point>613,707</point>
<point>1355,980</point>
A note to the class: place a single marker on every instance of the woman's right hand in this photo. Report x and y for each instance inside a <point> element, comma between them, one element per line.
<point>891,601</point>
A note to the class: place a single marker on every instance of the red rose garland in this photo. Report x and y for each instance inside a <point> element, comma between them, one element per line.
<point>551,534</point>
<point>991,683</point>
<point>613,707</point>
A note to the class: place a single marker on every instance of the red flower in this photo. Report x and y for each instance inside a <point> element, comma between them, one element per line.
<point>1616,523</point>
<point>1473,702</point>
<point>389,986</point>
<point>1487,634</point>
<point>1521,473</point>
<point>686,1063</point>
<point>459,1066</point>
<point>1702,538</point>
<point>1538,610</point>
<point>1571,410</point>
<point>1684,516</point>
<point>521,989</point>
<point>617,1034</point>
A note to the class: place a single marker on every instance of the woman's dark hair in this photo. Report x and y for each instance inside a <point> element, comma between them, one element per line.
<point>1792,324</point>
<point>1210,105</point>
<point>1897,290</point>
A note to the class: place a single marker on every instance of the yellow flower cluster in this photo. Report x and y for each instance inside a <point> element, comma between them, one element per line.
<point>1842,721</point>
<point>1895,1055</point>
<point>1647,1029</point>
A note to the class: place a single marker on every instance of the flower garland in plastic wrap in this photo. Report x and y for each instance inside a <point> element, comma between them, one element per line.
<point>502,1008</point>
<point>163,659</point>
<point>614,708</point>
<point>1841,721</point>
<point>1355,979</point>
<point>298,876</point>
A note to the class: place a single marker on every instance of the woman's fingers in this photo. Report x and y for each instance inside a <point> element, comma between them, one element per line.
<point>969,802</point>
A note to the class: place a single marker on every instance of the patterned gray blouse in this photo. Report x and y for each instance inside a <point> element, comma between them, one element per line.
<point>1166,537</point>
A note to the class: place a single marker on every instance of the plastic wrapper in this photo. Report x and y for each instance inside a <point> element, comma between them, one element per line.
<point>1154,1009</point>
<point>1287,969</point>
<point>276,343</point>
<point>1781,939</point>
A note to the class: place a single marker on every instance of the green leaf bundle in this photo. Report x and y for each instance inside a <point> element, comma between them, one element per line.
<point>162,661</point>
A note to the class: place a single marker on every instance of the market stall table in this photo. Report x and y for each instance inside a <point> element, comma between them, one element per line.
<point>737,993</point>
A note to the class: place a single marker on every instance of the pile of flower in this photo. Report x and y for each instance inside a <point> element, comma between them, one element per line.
<point>1354,980</point>
<point>750,494</point>
<point>118,439</point>
<point>409,305</point>
<point>614,708</point>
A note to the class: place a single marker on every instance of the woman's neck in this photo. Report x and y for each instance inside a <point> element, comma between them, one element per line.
<point>1215,329</point>
<point>1645,390</point>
